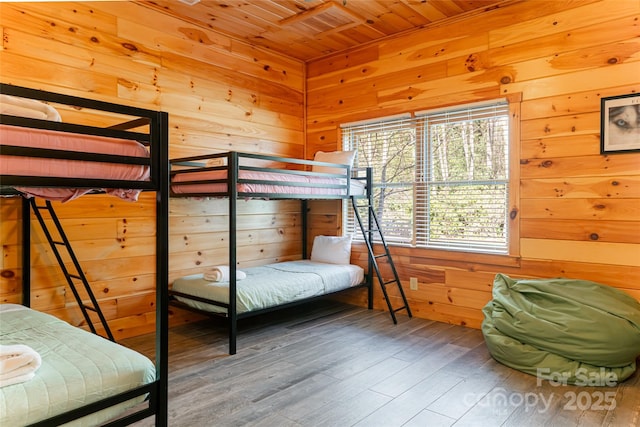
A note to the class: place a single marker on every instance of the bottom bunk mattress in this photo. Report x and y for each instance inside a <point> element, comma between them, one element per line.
<point>271,285</point>
<point>77,368</point>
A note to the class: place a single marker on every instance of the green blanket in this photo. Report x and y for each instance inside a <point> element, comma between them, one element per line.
<point>570,331</point>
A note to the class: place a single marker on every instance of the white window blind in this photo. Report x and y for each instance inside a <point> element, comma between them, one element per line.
<point>440,179</point>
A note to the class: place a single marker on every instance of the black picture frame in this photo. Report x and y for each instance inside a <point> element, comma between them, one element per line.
<point>620,124</point>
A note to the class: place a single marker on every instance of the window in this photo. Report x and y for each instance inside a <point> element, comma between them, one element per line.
<point>440,178</point>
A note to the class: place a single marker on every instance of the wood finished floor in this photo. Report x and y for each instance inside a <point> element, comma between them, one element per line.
<point>331,364</point>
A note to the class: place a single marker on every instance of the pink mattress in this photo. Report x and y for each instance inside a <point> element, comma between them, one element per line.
<point>45,167</point>
<point>357,187</point>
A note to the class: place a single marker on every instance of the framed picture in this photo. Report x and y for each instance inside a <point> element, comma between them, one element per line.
<point>620,124</point>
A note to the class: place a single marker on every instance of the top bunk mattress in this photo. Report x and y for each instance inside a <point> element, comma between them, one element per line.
<point>40,155</point>
<point>272,285</point>
<point>77,169</point>
<point>265,183</point>
<point>77,368</point>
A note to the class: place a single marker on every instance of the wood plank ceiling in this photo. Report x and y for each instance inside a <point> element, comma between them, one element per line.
<point>311,29</point>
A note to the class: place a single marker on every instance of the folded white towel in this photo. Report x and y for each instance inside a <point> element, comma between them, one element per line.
<point>18,363</point>
<point>221,273</point>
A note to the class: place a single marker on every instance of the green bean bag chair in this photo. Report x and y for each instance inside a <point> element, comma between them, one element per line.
<point>568,331</point>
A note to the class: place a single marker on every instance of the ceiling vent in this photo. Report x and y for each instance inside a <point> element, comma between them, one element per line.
<point>329,17</point>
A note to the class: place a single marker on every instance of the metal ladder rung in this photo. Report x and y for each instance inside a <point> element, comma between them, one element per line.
<point>374,226</point>
<point>69,276</point>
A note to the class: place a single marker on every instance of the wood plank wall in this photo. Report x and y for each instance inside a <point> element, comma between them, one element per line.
<point>579,212</point>
<point>220,95</point>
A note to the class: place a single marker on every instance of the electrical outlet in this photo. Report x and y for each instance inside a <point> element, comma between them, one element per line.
<point>413,283</point>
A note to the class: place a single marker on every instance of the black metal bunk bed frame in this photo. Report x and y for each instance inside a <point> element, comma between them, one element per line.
<point>157,141</point>
<point>233,167</point>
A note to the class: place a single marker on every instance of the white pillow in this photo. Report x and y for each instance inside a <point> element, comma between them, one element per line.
<point>338,157</point>
<point>331,249</point>
<point>30,108</point>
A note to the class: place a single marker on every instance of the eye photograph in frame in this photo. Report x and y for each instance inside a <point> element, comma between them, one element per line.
<point>620,124</point>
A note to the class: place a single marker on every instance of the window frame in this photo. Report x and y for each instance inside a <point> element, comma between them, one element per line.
<point>513,107</point>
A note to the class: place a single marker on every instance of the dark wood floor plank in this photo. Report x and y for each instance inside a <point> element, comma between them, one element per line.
<point>627,404</point>
<point>412,402</point>
<point>272,420</point>
<point>514,391</point>
<point>260,411</point>
<point>435,358</point>
<point>333,364</point>
<point>475,357</point>
<point>469,392</point>
<point>431,419</point>
<point>347,412</point>
<point>343,390</point>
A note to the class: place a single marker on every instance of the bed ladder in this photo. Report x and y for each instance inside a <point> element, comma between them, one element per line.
<point>368,233</point>
<point>73,279</point>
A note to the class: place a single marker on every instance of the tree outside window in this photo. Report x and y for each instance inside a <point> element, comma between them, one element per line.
<point>440,179</point>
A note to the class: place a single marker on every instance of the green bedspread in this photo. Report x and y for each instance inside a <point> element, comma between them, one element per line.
<point>78,368</point>
<point>570,331</point>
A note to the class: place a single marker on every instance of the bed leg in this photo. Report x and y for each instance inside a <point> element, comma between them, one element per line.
<point>233,325</point>
<point>304,213</point>
<point>234,166</point>
<point>26,252</point>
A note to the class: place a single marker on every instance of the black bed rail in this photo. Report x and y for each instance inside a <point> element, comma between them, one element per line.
<point>198,163</point>
<point>149,390</point>
<point>135,117</point>
<point>286,166</point>
<point>75,101</point>
<point>157,141</point>
<point>115,131</point>
<point>246,314</point>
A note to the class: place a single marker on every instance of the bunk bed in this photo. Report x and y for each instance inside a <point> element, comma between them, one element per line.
<point>81,378</point>
<point>248,292</point>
